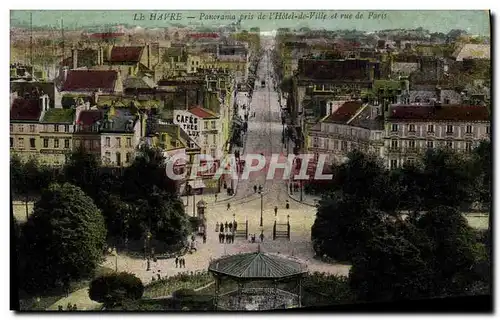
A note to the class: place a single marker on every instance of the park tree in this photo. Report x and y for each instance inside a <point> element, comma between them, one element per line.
<point>343,222</point>
<point>148,171</point>
<point>447,179</point>
<point>82,169</point>
<point>452,250</point>
<point>26,179</point>
<point>359,171</point>
<point>64,238</point>
<point>116,288</point>
<point>389,268</point>
<point>164,216</point>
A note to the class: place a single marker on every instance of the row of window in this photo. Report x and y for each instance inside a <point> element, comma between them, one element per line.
<point>431,128</point>
<point>213,125</point>
<point>118,142</point>
<point>118,157</point>
<point>45,128</point>
<point>32,143</point>
<point>431,144</point>
<point>347,131</point>
<point>332,144</point>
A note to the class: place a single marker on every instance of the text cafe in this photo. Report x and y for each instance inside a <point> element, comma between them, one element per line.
<point>187,121</point>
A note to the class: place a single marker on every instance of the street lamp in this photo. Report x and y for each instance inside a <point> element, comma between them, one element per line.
<point>261,207</point>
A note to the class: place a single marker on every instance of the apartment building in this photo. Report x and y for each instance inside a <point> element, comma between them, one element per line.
<point>56,135</point>
<point>352,126</point>
<point>121,132</point>
<point>25,114</point>
<point>410,130</point>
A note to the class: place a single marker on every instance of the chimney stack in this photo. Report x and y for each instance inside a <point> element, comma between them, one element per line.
<point>74,58</point>
<point>148,52</point>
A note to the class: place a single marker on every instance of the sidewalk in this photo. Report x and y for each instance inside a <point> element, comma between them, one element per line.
<point>307,199</point>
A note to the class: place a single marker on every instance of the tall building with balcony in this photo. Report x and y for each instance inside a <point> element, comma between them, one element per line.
<point>412,129</point>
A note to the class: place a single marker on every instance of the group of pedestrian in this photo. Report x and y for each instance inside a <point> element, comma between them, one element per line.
<point>253,238</point>
<point>180,262</point>
<point>226,237</point>
<point>228,227</point>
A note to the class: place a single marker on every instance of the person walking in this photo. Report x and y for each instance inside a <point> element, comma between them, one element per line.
<point>226,226</point>
<point>177,261</point>
<point>235,226</point>
<point>275,210</point>
<point>262,237</point>
<point>221,227</point>
<point>216,197</point>
<point>217,227</point>
<point>228,206</point>
<point>230,227</point>
<point>204,238</point>
<point>223,236</point>
<point>254,189</point>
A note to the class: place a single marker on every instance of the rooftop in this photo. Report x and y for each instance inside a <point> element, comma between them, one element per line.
<point>26,109</point>
<point>257,265</point>
<point>121,118</point>
<point>90,80</point>
<point>203,113</point>
<point>126,54</point>
<point>439,113</point>
<point>344,112</point>
<point>57,115</point>
<point>89,117</point>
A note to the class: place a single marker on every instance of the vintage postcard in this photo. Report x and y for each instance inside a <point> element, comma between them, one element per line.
<point>250,160</point>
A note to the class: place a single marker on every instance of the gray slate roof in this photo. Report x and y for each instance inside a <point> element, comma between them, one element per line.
<point>257,265</point>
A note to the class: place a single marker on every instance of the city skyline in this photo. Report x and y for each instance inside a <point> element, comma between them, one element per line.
<point>476,22</point>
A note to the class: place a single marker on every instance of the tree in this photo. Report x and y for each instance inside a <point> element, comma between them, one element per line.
<point>115,288</point>
<point>64,237</point>
<point>389,268</point>
<point>343,222</point>
<point>360,171</point>
<point>447,179</point>
<point>26,178</point>
<point>148,171</point>
<point>82,169</point>
<point>453,251</point>
<point>164,217</point>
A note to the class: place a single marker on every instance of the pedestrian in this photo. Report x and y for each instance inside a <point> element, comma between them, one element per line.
<point>235,226</point>
<point>254,189</point>
<point>275,210</point>
<point>260,188</point>
<point>226,226</point>
<point>228,206</point>
<point>182,261</point>
<point>287,204</point>
<point>176,262</point>
<point>232,238</point>
<point>223,236</point>
<point>220,237</point>
<point>204,238</point>
<point>262,237</point>
<point>230,227</point>
<point>221,227</point>
<point>217,227</point>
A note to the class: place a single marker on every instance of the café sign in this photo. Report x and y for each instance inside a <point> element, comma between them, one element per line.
<point>189,122</point>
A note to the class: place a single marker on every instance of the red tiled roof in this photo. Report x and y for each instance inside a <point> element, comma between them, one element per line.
<point>344,112</point>
<point>202,112</point>
<point>126,54</point>
<point>442,113</point>
<point>89,117</point>
<point>26,109</point>
<point>87,80</point>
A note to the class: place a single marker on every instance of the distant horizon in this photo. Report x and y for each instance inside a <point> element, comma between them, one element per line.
<point>476,22</point>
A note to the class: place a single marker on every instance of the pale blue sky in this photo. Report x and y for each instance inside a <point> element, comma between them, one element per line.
<point>475,22</point>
